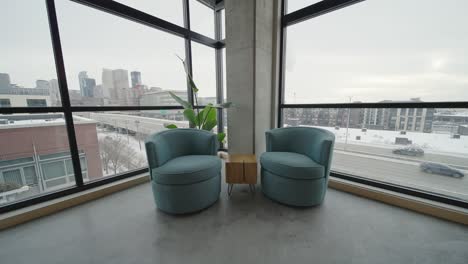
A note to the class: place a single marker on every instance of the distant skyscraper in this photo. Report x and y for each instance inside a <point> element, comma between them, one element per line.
<point>116,84</point>
<point>120,79</point>
<point>81,79</point>
<point>54,93</point>
<point>136,78</point>
<point>88,89</point>
<point>4,81</point>
<point>42,84</point>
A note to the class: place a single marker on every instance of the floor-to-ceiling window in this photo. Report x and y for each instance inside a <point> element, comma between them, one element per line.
<point>389,79</point>
<point>84,82</point>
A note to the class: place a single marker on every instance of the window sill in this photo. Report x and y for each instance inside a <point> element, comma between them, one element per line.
<point>26,214</point>
<point>424,206</point>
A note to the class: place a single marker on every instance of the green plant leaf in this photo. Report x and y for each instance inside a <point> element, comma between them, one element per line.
<point>221,137</point>
<point>190,115</point>
<point>205,111</point>
<point>192,83</point>
<point>208,114</point>
<point>182,102</point>
<point>171,126</point>
<point>224,105</point>
<point>209,124</point>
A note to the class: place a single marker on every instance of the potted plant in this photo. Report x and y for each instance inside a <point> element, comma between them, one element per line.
<point>205,118</point>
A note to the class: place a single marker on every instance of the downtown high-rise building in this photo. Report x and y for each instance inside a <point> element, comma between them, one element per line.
<point>42,84</point>
<point>87,84</point>
<point>89,87</point>
<point>136,78</point>
<point>5,81</point>
<point>81,79</point>
<point>54,93</point>
<point>115,84</point>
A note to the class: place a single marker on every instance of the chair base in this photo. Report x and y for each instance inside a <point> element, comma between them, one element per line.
<point>294,192</point>
<point>188,198</point>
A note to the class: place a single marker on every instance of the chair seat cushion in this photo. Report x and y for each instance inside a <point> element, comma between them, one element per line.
<point>187,169</point>
<point>292,165</point>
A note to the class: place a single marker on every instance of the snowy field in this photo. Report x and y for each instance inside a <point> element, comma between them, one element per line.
<point>430,142</point>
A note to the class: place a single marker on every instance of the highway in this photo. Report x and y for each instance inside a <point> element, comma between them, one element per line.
<point>144,125</point>
<point>406,173</point>
<point>456,160</point>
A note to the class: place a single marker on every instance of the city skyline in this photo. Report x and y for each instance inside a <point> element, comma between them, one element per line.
<point>118,87</point>
<point>100,41</point>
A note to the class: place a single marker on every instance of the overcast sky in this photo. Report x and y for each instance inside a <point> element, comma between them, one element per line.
<point>380,49</point>
<point>371,51</point>
<point>93,40</point>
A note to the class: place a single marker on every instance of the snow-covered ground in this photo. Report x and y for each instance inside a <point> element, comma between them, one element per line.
<point>430,142</point>
<point>132,142</point>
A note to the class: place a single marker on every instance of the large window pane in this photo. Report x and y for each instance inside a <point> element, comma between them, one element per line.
<point>33,151</point>
<point>117,138</point>
<point>171,11</point>
<point>204,72</point>
<point>114,61</point>
<point>27,69</point>
<point>422,148</point>
<point>380,50</point>
<point>202,19</point>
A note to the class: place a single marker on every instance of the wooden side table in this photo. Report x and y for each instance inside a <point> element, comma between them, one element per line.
<point>241,169</point>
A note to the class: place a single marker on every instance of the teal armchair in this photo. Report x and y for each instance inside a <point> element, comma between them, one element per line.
<point>296,165</point>
<point>184,169</point>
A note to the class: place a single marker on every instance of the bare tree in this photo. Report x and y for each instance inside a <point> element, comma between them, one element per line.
<point>117,154</point>
<point>113,153</point>
<point>137,162</point>
<point>105,147</point>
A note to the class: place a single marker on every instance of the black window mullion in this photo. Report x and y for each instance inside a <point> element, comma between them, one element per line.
<point>188,50</point>
<point>282,64</point>
<point>63,87</point>
<point>127,12</point>
<point>218,23</point>
<point>382,105</point>
<point>315,10</point>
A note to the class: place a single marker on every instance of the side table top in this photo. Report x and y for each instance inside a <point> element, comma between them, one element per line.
<point>241,158</point>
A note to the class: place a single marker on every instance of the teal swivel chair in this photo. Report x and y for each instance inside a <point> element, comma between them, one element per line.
<point>184,169</point>
<point>296,166</point>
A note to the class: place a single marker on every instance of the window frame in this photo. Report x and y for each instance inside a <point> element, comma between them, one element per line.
<point>5,102</point>
<point>322,8</point>
<point>138,16</point>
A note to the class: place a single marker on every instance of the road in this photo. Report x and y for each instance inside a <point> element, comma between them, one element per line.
<point>456,160</point>
<point>406,173</point>
<point>144,125</point>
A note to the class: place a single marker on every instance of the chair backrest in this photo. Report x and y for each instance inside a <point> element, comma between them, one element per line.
<point>166,145</point>
<point>315,143</point>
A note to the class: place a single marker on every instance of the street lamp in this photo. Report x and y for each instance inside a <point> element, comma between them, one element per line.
<point>126,128</point>
<point>347,123</point>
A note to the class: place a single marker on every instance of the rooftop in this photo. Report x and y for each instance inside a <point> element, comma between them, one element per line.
<point>38,120</point>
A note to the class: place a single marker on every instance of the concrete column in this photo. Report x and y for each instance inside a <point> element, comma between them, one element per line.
<point>251,33</point>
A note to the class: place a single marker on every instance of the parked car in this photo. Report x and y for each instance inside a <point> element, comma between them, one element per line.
<point>409,151</point>
<point>431,167</point>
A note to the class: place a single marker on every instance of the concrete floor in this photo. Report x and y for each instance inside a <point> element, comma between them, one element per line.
<point>126,228</point>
